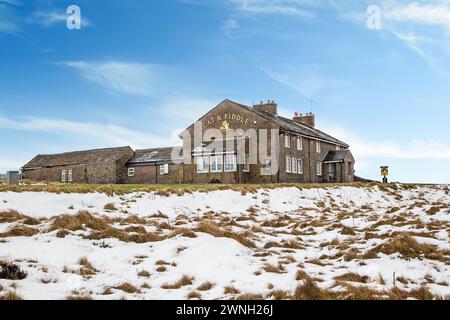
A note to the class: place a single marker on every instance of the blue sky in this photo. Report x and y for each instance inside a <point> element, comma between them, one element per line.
<point>137,72</point>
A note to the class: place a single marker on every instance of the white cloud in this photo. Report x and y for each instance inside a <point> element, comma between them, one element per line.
<point>437,14</point>
<point>363,147</point>
<point>186,110</point>
<point>285,7</point>
<point>106,134</point>
<point>119,77</point>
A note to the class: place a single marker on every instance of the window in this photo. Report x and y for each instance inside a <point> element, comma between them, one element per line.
<point>202,164</point>
<point>300,166</point>
<point>63,176</point>
<point>294,165</point>
<point>246,167</point>
<point>69,176</point>
<point>217,164</point>
<point>318,147</point>
<point>319,168</point>
<point>164,169</point>
<point>338,147</point>
<point>287,141</point>
<point>300,143</point>
<point>230,163</point>
<point>131,172</point>
<point>288,164</point>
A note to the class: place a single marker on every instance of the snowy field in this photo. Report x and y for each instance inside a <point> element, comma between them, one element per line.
<point>286,243</point>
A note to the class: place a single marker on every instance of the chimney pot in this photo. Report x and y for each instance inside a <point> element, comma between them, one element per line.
<point>307,119</point>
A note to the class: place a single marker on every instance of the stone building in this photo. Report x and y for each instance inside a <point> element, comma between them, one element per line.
<point>154,166</point>
<point>303,153</point>
<point>102,166</point>
<point>295,151</point>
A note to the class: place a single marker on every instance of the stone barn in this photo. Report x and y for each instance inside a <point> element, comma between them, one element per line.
<point>101,166</point>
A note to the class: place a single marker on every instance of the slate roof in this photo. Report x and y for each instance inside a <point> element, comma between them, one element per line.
<point>153,155</point>
<point>290,125</point>
<point>96,156</point>
<point>338,155</point>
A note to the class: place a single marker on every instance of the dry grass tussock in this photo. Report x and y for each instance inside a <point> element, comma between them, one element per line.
<point>184,281</point>
<point>409,248</point>
<point>215,230</point>
<point>11,271</point>
<point>19,231</point>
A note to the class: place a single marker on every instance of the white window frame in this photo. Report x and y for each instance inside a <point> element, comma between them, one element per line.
<point>287,140</point>
<point>63,176</point>
<point>246,164</point>
<point>300,143</point>
<point>288,164</point>
<point>131,172</point>
<point>318,147</point>
<point>164,169</point>
<point>216,166</point>
<point>69,175</point>
<point>202,164</point>
<point>227,162</point>
<point>338,147</point>
<point>319,168</point>
<point>300,166</point>
<point>294,165</point>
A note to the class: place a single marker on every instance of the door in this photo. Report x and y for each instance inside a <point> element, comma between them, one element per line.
<point>331,172</point>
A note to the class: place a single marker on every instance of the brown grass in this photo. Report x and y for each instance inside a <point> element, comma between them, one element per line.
<point>249,297</point>
<point>214,229</point>
<point>194,295</point>
<point>273,269</point>
<point>79,298</point>
<point>144,274</point>
<point>87,269</point>
<point>127,287</point>
<point>310,291</point>
<point>19,231</point>
<point>10,216</point>
<point>79,222</point>
<point>11,296</point>
<point>184,281</point>
<point>231,290</point>
<point>408,248</point>
<point>352,277</point>
<point>205,286</point>
<point>110,207</point>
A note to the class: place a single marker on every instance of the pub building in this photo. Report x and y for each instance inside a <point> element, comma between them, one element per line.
<point>237,144</point>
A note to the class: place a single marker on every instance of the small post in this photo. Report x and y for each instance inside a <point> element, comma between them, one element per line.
<point>385,173</point>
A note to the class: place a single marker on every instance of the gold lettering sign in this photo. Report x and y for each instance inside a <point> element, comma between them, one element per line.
<point>225,120</point>
<point>225,126</point>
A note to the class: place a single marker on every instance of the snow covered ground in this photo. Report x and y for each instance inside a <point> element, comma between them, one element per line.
<point>226,244</point>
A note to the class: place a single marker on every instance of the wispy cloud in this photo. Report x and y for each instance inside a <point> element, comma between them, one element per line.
<point>305,80</point>
<point>230,26</point>
<point>102,134</point>
<point>49,18</point>
<point>119,77</point>
<point>433,14</point>
<point>284,7</point>
<point>9,23</point>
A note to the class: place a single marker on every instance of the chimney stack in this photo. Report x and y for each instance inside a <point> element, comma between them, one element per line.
<point>308,119</point>
<point>270,106</point>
